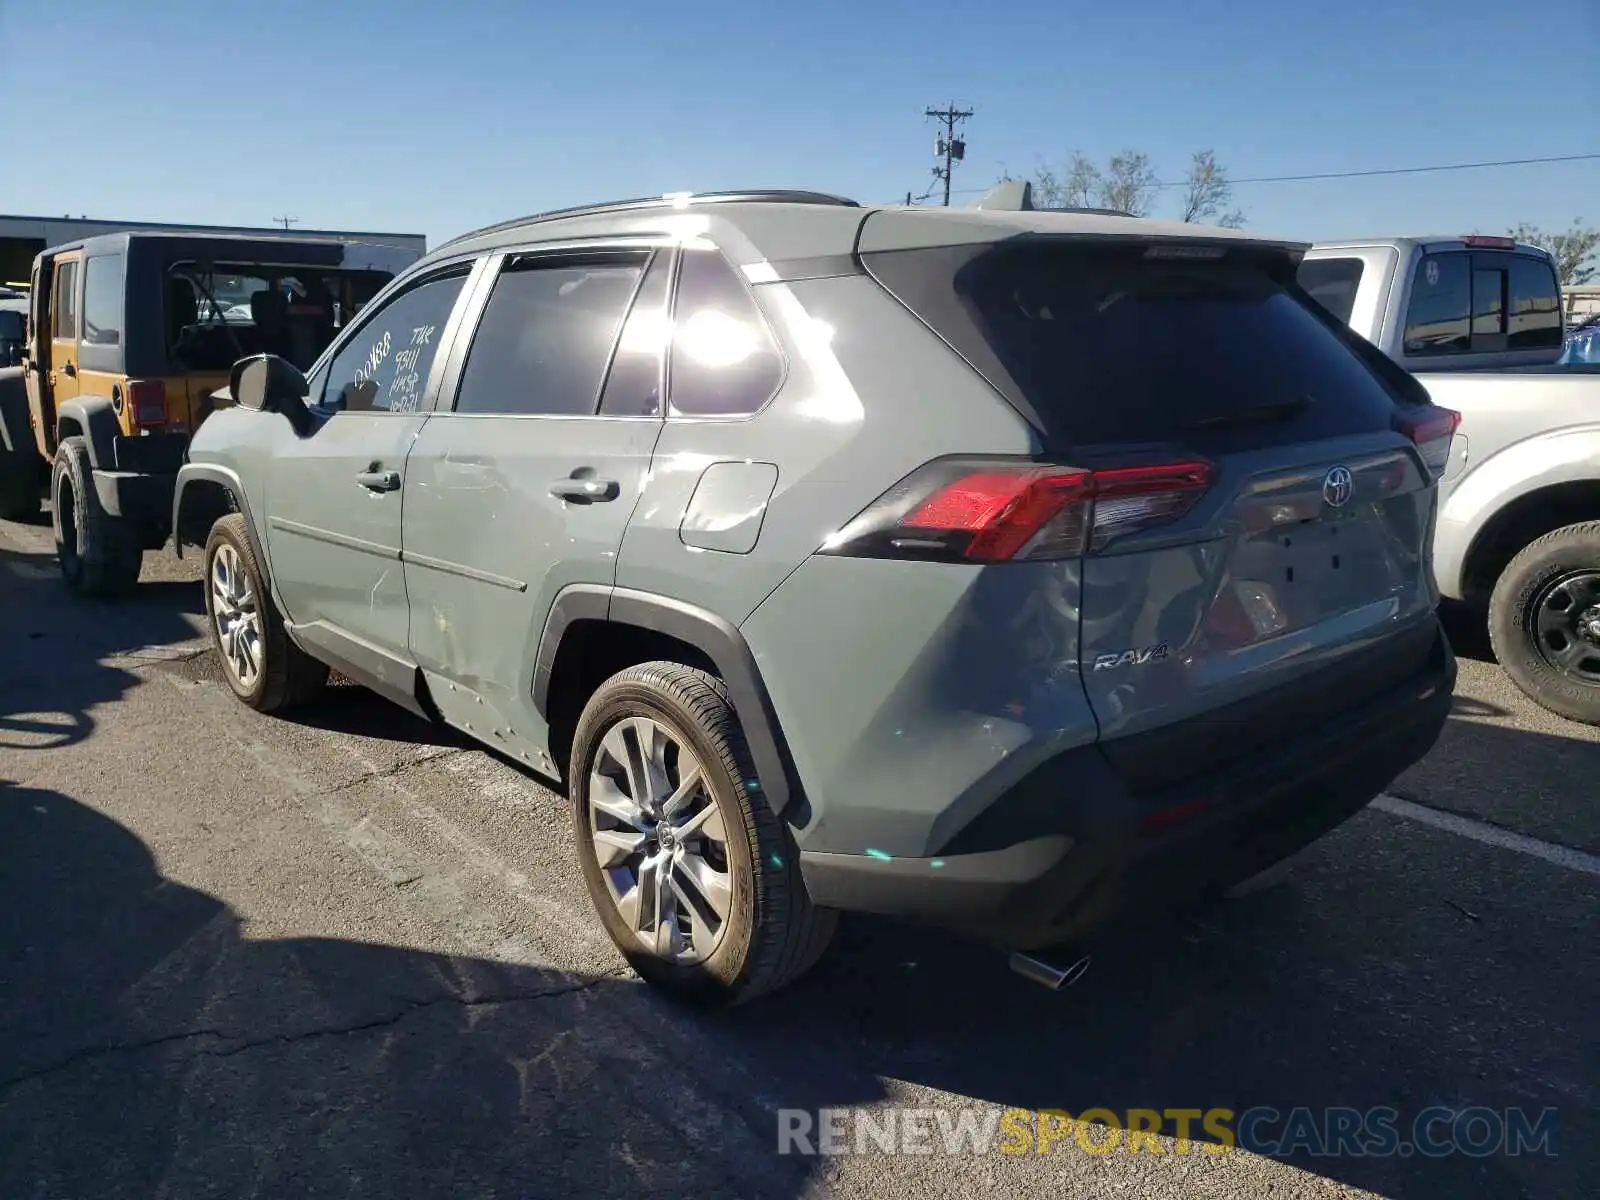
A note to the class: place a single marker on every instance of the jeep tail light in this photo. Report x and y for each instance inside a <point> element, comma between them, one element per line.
<point>1432,433</point>
<point>990,511</point>
<point>148,403</point>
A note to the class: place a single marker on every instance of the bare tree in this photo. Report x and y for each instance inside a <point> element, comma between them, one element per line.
<point>1208,194</point>
<point>1574,250</point>
<point>1075,189</point>
<point>1129,184</point>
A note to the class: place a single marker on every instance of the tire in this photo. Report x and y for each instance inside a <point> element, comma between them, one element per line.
<point>1564,563</point>
<point>284,675</point>
<point>100,554</point>
<point>772,933</point>
<point>19,487</point>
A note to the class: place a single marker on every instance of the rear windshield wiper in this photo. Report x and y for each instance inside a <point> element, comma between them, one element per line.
<point>1280,410</point>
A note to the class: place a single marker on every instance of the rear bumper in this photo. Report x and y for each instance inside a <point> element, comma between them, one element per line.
<point>1118,854</point>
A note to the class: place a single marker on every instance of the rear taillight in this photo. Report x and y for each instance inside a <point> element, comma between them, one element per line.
<point>989,511</point>
<point>1431,431</point>
<point>147,401</point>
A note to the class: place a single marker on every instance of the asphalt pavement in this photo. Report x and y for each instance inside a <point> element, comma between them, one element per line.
<point>350,954</point>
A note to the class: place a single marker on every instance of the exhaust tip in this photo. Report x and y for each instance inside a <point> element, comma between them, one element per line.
<point>1050,975</point>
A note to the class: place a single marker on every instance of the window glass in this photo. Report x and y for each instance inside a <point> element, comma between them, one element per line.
<point>1488,308</point>
<point>218,313</point>
<point>1108,346</point>
<point>384,366</point>
<point>1332,283</point>
<point>102,300</point>
<point>1438,319</point>
<point>546,336</point>
<point>633,387</point>
<point>724,361</point>
<point>64,302</point>
<point>1535,317</point>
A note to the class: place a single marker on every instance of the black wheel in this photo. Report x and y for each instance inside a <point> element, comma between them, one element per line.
<point>1544,621</point>
<point>100,554</point>
<point>263,667</point>
<point>20,493</point>
<point>695,879</point>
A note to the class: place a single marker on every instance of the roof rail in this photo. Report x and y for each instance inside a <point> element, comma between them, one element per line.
<point>669,200</point>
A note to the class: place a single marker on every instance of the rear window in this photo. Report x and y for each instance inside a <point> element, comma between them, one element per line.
<point>1535,318</point>
<point>1332,283</point>
<point>1106,346</point>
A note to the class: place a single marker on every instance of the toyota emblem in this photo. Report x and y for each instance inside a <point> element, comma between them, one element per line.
<point>1338,485</point>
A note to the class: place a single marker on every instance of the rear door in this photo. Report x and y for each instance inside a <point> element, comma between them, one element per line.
<point>523,487</point>
<point>1258,511</point>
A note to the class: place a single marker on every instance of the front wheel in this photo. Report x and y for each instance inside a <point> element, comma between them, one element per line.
<point>694,877</point>
<point>263,667</point>
<point>1544,621</point>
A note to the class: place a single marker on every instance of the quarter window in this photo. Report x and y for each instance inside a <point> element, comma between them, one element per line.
<point>546,335</point>
<point>384,366</point>
<point>1332,283</point>
<point>1535,306</point>
<point>102,300</point>
<point>724,361</point>
<point>64,302</point>
<point>1439,317</point>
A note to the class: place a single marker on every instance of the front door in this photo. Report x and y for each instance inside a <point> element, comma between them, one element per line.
<point>524,488</point>
<point>334,498</point>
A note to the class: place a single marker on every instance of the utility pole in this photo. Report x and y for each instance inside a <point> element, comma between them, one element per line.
<point>948,146</point>
<point>286,221</point>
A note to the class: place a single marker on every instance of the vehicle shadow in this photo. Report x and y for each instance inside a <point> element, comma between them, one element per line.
<point>1400,966</point>
<point>61,655</point>
<point>149,1047</point>
<point>1464,626</point>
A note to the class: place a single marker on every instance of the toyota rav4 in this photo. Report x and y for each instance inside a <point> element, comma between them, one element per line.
<point>1011,570</point>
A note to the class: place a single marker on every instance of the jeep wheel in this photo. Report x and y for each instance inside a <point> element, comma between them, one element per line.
<point>263,667</point>
<point>694,877</point>
<point>1544,621</point>
<point>19,486</point>
<point>100,554</point>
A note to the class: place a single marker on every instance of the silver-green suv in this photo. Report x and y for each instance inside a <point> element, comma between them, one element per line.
<point>1002,568</point>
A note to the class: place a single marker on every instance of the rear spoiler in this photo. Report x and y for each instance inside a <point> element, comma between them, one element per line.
<point>1016,195</point>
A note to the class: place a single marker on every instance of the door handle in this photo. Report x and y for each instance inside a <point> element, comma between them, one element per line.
<point>70,371</point>
<point>379,481</point>
<point>586,491</point>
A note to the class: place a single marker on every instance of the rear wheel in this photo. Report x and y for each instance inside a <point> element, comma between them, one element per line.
<point>263,667</point>
<point>693,875</point>
<point>100,554</point>
<point>1544,621</point>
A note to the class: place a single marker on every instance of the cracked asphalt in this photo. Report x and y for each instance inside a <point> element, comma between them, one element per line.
<point>351,955</point>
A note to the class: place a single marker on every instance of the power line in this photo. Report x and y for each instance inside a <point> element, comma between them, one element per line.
<point>949,147</point>
<point>1428,170</point>
<point>286,221</point>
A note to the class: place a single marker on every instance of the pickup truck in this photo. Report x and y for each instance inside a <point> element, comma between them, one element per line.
<point>1478,321</point>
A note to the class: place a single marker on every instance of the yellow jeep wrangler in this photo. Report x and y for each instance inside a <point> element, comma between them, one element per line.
<point>128,336</point>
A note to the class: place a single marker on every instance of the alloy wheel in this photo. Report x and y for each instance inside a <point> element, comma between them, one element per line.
<point>236,616</point>
<point>660,840</point>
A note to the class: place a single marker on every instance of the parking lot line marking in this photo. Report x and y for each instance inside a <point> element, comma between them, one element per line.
<point>1491,835</point>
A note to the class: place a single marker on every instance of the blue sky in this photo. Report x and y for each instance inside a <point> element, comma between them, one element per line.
<point>436,118</point>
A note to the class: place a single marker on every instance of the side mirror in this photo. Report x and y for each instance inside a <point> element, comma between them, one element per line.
<point>268,383</point>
